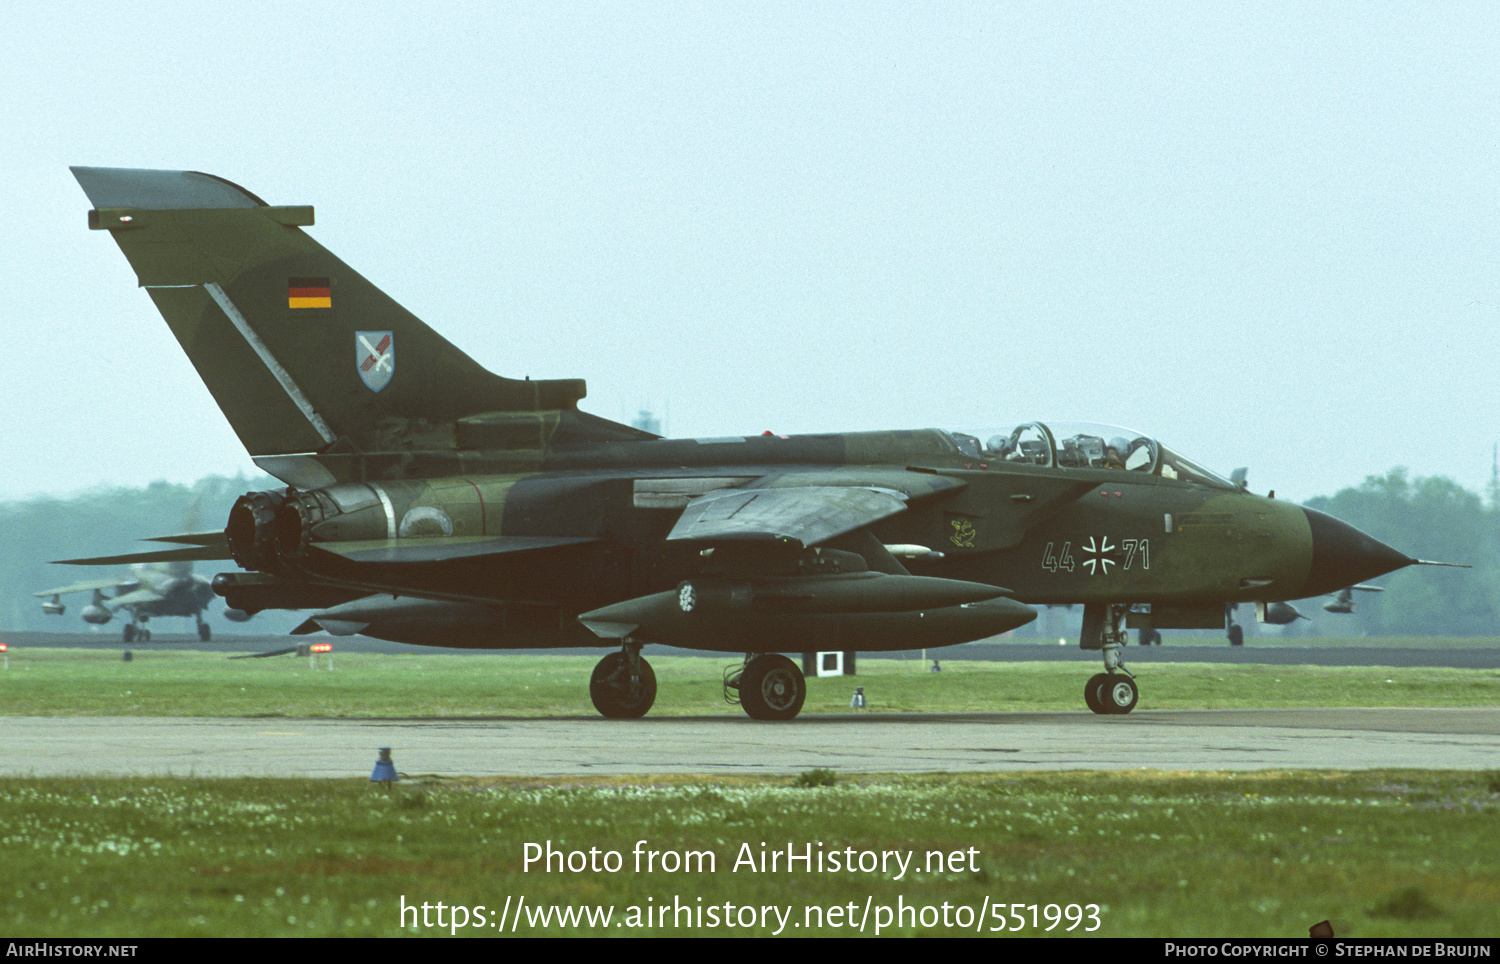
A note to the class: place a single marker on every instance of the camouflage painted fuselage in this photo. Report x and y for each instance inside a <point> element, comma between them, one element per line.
<point>1044,534</point>
<point>430,500</point>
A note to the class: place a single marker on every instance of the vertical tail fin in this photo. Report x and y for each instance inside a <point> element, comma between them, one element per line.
<point>301,352</point>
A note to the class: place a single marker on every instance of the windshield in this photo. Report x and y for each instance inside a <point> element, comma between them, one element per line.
<point>1174,466</point>
<point>1085,445</point>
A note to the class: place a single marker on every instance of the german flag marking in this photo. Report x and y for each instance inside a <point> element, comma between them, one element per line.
<point>309,293</point>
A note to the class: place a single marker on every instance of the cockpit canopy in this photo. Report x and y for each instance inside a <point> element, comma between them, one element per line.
<point>1086,445</point>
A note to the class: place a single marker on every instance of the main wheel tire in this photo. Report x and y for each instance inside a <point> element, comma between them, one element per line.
<point>1119,694</point>
<point>128,633</point>
<point>1236,635</point>
<point>772,688</point>
<point>1093,692</point>
<point>204,632</point>
<point>611,690</point>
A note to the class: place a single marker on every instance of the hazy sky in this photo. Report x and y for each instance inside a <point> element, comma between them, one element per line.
<point>1265,233</point>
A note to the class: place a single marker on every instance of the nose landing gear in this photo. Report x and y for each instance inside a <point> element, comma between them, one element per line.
<point>1111,693</point>
<point>1114,690</point>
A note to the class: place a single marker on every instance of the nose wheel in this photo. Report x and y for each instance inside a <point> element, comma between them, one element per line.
<point>1111,693</point>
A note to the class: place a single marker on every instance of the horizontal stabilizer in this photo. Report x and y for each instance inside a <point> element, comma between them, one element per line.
<point>422,549</point>
<point>185,554</point>
<point>213,537</point>
<point>409,619</point>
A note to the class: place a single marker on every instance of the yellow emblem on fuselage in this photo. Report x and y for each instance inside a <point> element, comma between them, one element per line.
<point>963,533</point>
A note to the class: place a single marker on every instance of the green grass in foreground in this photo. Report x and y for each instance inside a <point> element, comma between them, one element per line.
<point>60,682</point>
<point>1381,854</point>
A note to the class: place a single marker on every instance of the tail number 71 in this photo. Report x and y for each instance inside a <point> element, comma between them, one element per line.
<point>1134,550</point>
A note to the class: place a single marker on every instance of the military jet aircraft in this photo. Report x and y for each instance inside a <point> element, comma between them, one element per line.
<point>1275,613</point>
<point>154,589</point>
<point>1343,603</point>
<point>430,501</point>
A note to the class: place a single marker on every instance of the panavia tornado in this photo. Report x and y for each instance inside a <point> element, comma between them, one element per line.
<point>153,589</point>
<point>430,501</point>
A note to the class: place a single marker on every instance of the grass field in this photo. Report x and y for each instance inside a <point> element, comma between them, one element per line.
<point>97,683</point>
<point>1396,854</point>
<point>1393,853</point>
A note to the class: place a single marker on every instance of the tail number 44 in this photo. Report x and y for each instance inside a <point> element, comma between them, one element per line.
<point>1133,550</point>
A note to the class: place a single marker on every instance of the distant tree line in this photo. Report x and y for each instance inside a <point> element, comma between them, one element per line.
<point>1430,518</point>
<point>104,522</point>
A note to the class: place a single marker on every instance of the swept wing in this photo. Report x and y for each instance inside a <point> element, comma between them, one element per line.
<point>804,516</point>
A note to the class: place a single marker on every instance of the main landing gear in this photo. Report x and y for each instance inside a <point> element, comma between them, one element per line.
<point>623,685</point>
<point>768,687</point>
<point>1114,690</point>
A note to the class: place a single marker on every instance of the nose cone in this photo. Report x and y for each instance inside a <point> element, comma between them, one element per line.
<point>1343,556</point>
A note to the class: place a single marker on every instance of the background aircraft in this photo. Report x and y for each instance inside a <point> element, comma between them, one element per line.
<point>154,589</point>
<point>430,501</point>
<point>1274,613</point>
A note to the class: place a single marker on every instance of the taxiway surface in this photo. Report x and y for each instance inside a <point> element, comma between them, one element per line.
<point>1356,739</point>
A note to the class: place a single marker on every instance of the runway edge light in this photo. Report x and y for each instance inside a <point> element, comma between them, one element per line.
<point>385,770</point>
